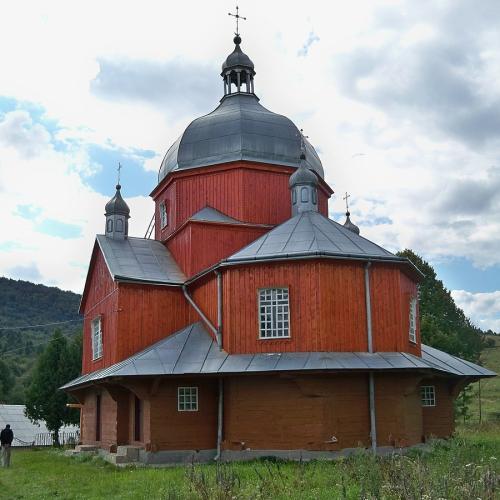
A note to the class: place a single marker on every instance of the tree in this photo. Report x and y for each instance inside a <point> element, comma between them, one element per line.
<point>443,324</point>
<point>6,381</point>
<point>56,365</point>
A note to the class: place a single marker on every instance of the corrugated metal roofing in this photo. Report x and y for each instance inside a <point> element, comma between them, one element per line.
<point>140,259</point>
<point>23,428</point>
<point>309,234</point>
<point>240,128</point>
<point>193,351</point>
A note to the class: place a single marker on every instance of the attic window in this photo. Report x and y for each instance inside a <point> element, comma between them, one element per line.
<point>163,215</point>
<point>274,311</point>
<point>428,395</point>
<point>96,329</point>
<point>187,399</point>
<point>413,320</point>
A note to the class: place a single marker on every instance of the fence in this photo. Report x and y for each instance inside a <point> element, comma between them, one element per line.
<point>47,439</point>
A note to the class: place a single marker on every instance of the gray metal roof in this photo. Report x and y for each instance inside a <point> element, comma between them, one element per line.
<point>24,429</point>
<point>239,129</point>
<point>140,259</point>
<point>192,351</point>
<point>212,215</point>
<point>309,234</point>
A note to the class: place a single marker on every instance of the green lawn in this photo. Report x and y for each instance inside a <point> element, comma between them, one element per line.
<point>490,388</point>
<point>462,468</point>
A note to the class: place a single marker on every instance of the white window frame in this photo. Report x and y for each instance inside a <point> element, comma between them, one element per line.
<point>96,331</point>
<point>163,215</point>
<point>428,395</point>
<point>187,398</point>
<point>412,330</point>
<point>274,313</point>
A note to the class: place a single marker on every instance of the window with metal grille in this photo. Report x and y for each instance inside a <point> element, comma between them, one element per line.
<point>96,328</point>
<point>187,398</point>
<point>163,215</point>
<point>428,394</point>
<point>274,311</point>
<point>413,320</point>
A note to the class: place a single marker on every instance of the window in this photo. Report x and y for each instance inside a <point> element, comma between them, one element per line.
<point>187,398</point>
<point>304,195</point>
<point>428,394</point>
<point>109,227</point>
<point>413,320</point>
<point>294,197</point>
<point>163,215</point>
<point>119,225</point>
<point>274,313</point>
<point>96,338</point>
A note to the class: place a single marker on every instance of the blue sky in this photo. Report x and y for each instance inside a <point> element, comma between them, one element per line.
<point>398,97</point>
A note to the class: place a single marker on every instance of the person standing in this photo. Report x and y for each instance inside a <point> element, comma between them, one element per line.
<point>6,438</point>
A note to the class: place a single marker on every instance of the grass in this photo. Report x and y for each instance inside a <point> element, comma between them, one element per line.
<point>490,388</point>
<point>464,467</point>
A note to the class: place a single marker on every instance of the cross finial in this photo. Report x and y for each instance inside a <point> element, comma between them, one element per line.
<point>238,17</point>
<point>346,198</point>
<point>302,141</point>
<point>118,169</point>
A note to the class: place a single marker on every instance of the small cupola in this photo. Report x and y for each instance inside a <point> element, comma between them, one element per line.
<point>117,215</point>
<point>238,71</point>
<point>348,224</point>
<point>304,188</point>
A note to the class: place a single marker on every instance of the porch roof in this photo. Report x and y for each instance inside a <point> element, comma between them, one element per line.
<point>193,351</point>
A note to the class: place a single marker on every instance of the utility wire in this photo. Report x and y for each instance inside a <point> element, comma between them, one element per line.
<point>68,335</point>
<point>38,326</point>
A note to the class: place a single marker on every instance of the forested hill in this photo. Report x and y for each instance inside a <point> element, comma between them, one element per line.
<point>23,304</point>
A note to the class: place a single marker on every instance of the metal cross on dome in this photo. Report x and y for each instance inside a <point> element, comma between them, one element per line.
<point>346,198</point>
<point>119,168</point>
<point>238,17</point>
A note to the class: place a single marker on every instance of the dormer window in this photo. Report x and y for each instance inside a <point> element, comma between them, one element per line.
<point>96,329</point>
<point>274,309</point>
<point>413,320</point>
<point>163,215</point>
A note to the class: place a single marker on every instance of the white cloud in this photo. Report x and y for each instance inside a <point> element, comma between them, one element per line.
<point>482,308</point>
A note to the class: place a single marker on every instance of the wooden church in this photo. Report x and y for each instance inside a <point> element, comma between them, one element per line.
<point>252,324</point>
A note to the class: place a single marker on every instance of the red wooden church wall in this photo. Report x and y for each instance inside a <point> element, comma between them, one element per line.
<point>246,191</point>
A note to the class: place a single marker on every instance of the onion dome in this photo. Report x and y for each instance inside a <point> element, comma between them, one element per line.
<point>117,205</point>
<point>303,175</point>
<point>349,225</point>
<point>240,128</point>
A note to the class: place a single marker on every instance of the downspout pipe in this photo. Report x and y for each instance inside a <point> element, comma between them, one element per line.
<point>220,418</point>
<point>219,308</point>
<point>371,377</point>
<point>199,311</point>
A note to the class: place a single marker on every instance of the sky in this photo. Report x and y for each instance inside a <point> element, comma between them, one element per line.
<point>400,99</point>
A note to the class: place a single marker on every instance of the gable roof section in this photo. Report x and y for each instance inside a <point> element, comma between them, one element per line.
<point>140,260</point>
<point>308,234</point>
<point>192,351</point>
<point>211,214</point>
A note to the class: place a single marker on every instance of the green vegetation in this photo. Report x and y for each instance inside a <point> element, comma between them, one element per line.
<point>57,364</point>
<point>466,467</point>
<point>443,325</point>
<point>490,388</point>
<point>23,304</point>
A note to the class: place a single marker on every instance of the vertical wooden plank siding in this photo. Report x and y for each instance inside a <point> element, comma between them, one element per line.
<point>409,291</point>
<point>148,314</point>
<point>327,311</point>
<point>261,412</point>
<point>101,300</point>
<point>439,421</point>
<point>246,191</point>
<point>180,247</point>
<point>204,293</point>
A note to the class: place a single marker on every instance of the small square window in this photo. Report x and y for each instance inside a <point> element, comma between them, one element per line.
<point>163,215</point>
<point>96,328</point>
<point>187,398</point>
<point>274,320</point>
<point>428,395</point>
<point>413,321</point>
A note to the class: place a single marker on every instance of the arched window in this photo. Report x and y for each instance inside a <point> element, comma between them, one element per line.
<point>314,197</point>
<point>109,226</point>
<point>304,195</point>
<point>294,197</point>
<point>119,225</point>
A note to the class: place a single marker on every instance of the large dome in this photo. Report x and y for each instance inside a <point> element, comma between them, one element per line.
<point>240,128</point>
